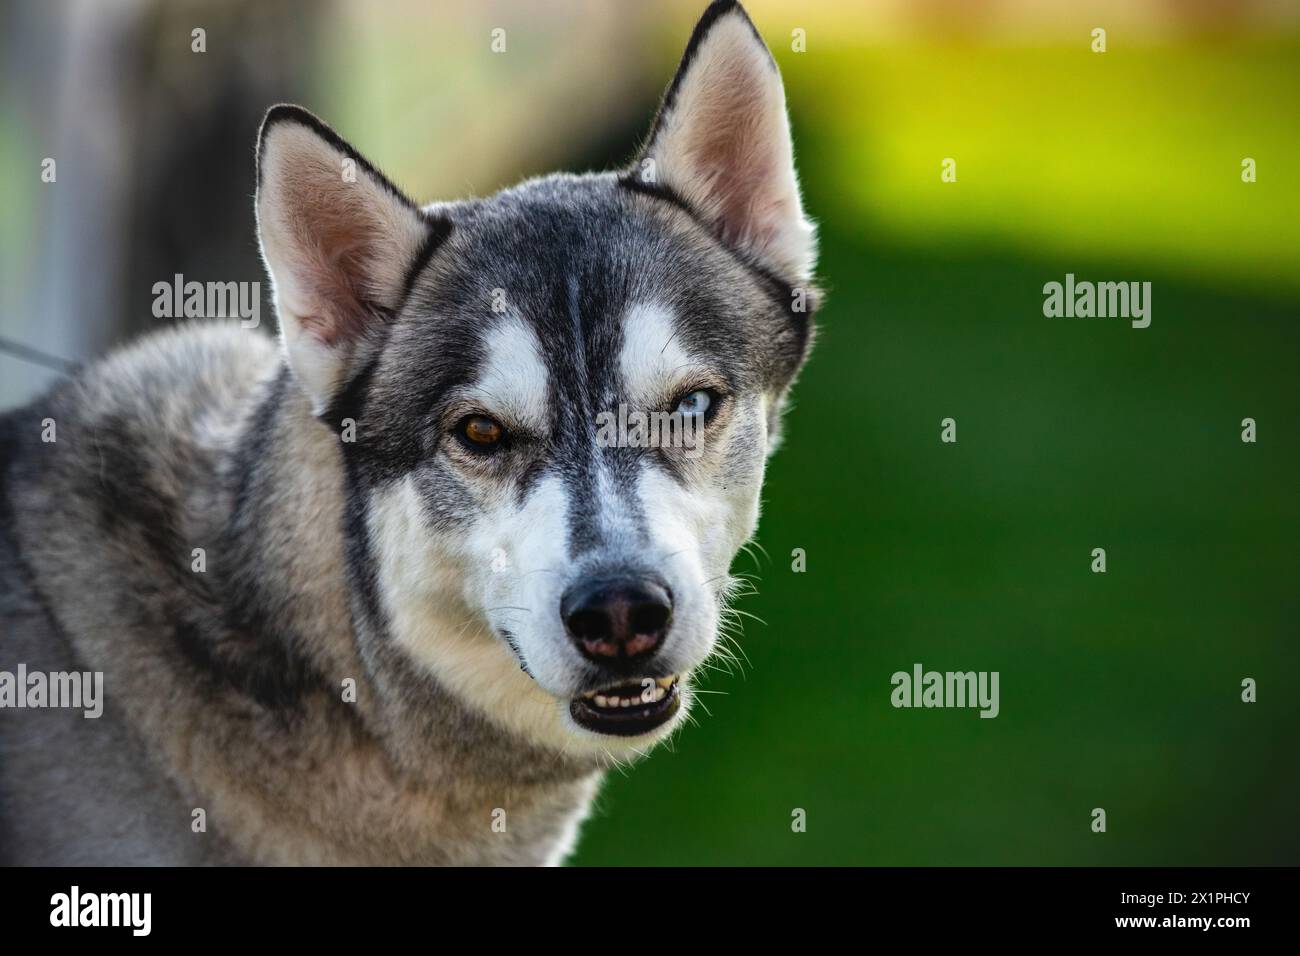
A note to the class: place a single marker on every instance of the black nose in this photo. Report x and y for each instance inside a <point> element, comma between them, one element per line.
<point>617,622</point>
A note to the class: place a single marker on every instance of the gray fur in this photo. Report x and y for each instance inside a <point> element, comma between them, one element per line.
<point>223,688</point>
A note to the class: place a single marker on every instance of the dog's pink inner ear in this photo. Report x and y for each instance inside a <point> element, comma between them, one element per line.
<point>722,143</point>
<point>736,172</point>
<point>340,262</point>
<point>337,239</point>
<point>336,244</point>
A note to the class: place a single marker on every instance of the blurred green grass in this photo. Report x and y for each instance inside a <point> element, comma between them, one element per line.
<point>1119,690</point>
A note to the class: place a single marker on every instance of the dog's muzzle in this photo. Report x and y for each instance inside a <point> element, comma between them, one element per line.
<point>619,624</point>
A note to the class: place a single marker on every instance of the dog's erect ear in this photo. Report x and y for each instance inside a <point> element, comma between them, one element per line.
<point>721,144</point>
<point>339,241</point>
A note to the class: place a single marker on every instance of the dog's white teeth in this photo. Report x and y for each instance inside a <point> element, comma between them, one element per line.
<point>652,695</point>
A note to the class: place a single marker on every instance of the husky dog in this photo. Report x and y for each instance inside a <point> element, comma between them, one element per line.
<point>378,594</point>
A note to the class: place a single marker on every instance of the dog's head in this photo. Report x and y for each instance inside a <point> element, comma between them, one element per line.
<point>555,404</point>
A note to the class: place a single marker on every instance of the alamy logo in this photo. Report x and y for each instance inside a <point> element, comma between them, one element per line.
<point>638,429</point>
<point>78,690</point>
<point>1103,300</point>
<point>922,688</point>
<point>179,299</point>
<point>75,908</point>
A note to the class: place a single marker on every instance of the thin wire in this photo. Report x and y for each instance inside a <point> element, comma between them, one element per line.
<point>35,356</point>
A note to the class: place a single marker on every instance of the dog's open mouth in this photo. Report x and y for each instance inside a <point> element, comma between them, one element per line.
<point>637,707</point>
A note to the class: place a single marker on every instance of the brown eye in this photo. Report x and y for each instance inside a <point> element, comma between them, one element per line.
<point>481,431</point>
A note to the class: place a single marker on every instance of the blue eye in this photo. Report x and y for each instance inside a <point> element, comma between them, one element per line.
<point>696,403</point>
